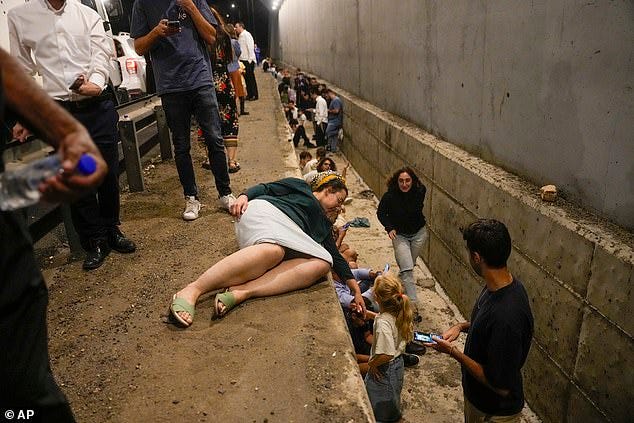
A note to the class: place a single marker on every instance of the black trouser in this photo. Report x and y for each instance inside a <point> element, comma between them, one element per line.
<point>320,134</point>
<point>300,132</point>
<point>96,214</point>
<point>26,381</point>
<point>249,78</point>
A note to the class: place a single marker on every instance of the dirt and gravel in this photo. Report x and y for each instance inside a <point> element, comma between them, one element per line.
<point>278,359</point>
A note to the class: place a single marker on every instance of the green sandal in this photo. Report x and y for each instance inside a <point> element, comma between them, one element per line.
<point>180,305</point>
<point>228,300</point>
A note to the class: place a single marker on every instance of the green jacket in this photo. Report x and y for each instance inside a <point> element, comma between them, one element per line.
<point>295,199</point>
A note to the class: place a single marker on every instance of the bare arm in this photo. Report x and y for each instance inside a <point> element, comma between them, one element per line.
<point>453,332</point>
<point>143,44</point>
<point>375,362</point>
<point>204,28</point>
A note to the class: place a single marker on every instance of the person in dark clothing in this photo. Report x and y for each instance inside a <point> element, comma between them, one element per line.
<point>499,332</point>
<point>27,382</point>
<point>299,133</point>
<point>400,211</point>
<point>284,231</point>
<point>221,57</point>
<point>184,81</point>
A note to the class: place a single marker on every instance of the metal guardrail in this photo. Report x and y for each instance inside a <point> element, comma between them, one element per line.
<point>141,129</point>
<point>142,125</point>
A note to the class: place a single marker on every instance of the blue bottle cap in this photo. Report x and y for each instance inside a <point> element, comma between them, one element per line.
<point>86,165</point>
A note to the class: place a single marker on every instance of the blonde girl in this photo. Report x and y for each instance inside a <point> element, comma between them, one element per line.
<point>393,329</point>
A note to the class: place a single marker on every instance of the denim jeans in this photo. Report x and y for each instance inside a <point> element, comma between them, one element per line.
<point>385,393</point>
<point>406,250</point>
<point>332,137</point>
<point>179,108</point>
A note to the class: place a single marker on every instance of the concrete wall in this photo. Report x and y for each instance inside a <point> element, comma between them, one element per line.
<point>542,88</point>
<point>578,273</point>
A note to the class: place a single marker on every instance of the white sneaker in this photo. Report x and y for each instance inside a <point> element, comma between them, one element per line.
<point>227,201</point>
<point>192,207</point>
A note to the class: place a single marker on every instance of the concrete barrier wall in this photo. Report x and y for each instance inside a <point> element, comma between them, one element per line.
<point>578,272</point>
<point>542,88</point>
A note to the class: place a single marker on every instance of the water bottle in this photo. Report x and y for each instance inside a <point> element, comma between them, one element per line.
<point>18,188</point>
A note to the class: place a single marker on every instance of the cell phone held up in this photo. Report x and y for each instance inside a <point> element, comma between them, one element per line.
<point>174,24</point>
<point>425,337</point>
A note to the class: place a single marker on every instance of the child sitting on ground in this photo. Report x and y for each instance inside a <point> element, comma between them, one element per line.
<point>393,328</point>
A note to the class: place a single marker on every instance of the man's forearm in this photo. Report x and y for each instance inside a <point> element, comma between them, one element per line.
<point>143,44</point>
<point>36,109</point>
<point>203,27</point>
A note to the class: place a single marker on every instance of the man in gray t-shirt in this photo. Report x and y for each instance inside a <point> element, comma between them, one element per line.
<point>177,33</point>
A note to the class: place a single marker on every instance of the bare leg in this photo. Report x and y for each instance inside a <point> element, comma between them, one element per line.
<point>243,265</point>
<point>289,275</point>
<point>231,153</point>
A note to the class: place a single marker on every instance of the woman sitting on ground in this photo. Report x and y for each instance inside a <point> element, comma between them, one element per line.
<point>284,235</point>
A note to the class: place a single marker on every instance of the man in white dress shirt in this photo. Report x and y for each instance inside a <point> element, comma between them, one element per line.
<point>247,57</point>
<point>321,116</point>
<point>65,42</point>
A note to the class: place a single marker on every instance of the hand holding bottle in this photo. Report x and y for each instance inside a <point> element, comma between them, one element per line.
<point>70,185</point>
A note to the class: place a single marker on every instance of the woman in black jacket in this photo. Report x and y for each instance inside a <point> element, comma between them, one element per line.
<point>401,213</point>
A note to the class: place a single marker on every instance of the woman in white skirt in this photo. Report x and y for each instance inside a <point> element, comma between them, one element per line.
<point>285,239</point>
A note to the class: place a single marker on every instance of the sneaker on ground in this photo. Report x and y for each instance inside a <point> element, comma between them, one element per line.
<point>192,207</point>
<point>227,201</point>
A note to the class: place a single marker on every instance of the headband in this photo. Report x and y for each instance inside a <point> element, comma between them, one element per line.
<point>323,177</point>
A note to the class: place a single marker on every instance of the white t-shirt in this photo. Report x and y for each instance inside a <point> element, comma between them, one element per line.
<point>301,119</point>
<point>310,165</point>
<point>387,339</point>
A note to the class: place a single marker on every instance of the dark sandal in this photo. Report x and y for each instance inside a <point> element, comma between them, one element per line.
<point>233,166</point>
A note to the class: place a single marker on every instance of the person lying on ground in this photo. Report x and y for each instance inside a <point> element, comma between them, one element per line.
<point>284,234</point>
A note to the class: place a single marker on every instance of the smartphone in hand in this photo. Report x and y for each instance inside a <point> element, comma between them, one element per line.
<point>425,337</point>
<point>174,24</point>
<point>78,82</point>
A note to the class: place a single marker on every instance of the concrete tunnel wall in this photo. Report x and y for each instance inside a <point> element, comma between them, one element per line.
<point>542,88</point>
<point>578,273</point>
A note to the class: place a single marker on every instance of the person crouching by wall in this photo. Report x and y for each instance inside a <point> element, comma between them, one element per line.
<point>400,211</point>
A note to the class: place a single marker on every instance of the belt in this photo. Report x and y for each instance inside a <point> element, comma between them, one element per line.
<point>81,105</point>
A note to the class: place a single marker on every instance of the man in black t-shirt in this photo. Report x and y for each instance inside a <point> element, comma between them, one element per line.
<point>499,332</point>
